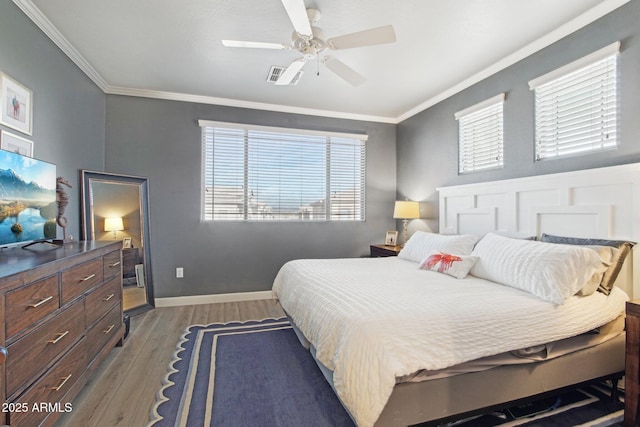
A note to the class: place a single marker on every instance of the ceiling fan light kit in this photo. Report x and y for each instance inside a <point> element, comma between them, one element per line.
<point>312,44</point>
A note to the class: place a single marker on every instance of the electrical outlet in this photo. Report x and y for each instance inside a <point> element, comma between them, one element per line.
<point>179,272</point>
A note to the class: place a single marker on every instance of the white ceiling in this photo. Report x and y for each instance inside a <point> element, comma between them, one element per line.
<point>172,48</point>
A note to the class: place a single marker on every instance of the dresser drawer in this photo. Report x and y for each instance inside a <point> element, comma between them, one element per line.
<point>32,353</point>
<point>27,305</point>
<point>51,387</point>
<point>103,331</point>
<point>100,300</point>
<point>77,280</point>
<point>112,263</point>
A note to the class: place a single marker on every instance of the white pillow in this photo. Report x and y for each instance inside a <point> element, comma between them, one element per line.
<point>552,272</point>
<point>457,266</point>
<point>421,243</point>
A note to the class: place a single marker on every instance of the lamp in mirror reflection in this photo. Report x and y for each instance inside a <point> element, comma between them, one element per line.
<point>406,210</point>
<point>113,224</point>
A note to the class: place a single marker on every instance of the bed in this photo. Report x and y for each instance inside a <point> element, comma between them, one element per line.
<point>387,334</point>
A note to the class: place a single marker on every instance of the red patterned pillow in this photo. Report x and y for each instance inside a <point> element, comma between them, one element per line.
<point>457,266</point>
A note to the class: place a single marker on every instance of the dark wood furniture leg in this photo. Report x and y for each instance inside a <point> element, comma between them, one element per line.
<point>3,356</point>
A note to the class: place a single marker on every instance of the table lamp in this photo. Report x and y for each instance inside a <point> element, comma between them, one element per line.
<point>406,210</point>
<point>113,224</point>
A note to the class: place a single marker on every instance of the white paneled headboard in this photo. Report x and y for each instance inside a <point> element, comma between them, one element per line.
<point>599,203</point>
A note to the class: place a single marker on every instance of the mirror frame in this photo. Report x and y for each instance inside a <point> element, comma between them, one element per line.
<point>86,177</point>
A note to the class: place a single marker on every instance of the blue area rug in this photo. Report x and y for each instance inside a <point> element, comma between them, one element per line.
<point>245,374</point>
<point>257,374</point>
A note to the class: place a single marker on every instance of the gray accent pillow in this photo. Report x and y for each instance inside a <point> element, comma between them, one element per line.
<point>610,276</point>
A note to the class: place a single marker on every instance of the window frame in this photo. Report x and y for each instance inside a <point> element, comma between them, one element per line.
<point>487,115</point>
<point>359,198</point>
<point>562,133</point>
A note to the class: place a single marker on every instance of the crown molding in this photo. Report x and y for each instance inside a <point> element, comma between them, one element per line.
<point>38,18</point>
<point>228,102</point>
<point>52,32</point>
<point>564,30</point>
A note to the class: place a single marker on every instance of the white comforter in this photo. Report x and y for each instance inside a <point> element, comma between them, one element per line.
<point>374,319</point>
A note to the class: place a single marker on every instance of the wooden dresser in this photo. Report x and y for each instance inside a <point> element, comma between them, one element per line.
<point>61,316</point>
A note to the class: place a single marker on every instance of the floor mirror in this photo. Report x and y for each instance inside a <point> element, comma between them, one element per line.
<point>116,207</point>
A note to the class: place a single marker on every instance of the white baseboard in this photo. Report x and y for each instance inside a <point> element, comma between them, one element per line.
<point>214,298</point>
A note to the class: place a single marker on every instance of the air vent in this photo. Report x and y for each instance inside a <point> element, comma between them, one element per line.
<point>276,71</point>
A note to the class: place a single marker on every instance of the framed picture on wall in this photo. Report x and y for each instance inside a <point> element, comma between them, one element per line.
<point>391,239</point>
<point>16,105</point>
<point>16,144</point>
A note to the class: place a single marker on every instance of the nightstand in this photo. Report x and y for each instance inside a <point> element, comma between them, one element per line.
<point>130,258</point>
<point>632,363</point>
<point>384,250</point>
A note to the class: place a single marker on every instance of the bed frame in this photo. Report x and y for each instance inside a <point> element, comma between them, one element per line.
<point>434,402</point>
<point>437,401</point>
<point>598,203</point>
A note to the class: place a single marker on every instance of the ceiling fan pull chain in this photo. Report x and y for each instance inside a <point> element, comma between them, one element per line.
<point>318,62</point>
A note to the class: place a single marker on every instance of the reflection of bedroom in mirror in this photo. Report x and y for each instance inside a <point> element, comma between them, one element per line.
<point>115,207</point>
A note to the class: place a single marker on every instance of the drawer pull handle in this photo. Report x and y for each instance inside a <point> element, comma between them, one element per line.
<point>42,301</point>
<point>109,297</point>
<point>88,278</point>
<point>106,331</point>
<point>115,264</point>
<point>64,381</point>
<point>60,336</point>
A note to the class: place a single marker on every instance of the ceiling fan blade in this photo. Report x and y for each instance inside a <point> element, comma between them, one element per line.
<point>374,36</point>
<point>289,74</point>
<point>298,15</point>
<point>343,71</point>
<point>257,45</point>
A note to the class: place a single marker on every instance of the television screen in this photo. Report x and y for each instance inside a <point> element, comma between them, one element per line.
<point>27,199</point>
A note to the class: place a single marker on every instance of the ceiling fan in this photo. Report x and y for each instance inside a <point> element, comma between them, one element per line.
<point>312,44</point>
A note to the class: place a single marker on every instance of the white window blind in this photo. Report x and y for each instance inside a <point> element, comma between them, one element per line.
<point>576,106</point>
<point>257,173</point>
<point>480,135</point>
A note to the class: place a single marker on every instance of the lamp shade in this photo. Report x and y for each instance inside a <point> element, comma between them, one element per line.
<point>406,210</point>
<point>113,224</point>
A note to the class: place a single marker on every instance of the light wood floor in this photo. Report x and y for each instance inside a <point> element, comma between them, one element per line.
<point>133,296</point>
<point>123,389</point>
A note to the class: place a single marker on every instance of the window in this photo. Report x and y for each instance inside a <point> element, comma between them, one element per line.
<point>255,173</point>
<point>575,106</point>
<point>480,135</point>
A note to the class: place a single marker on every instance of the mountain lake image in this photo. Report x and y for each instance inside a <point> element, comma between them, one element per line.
<point>27,199</point>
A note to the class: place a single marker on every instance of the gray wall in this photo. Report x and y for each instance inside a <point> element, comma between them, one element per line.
<point>161,140</point>
<point>68,109</point>
<point>428,142</point>
<point>77,127</point>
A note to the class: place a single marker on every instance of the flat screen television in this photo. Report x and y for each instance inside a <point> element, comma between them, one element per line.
<point>27,200</point>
